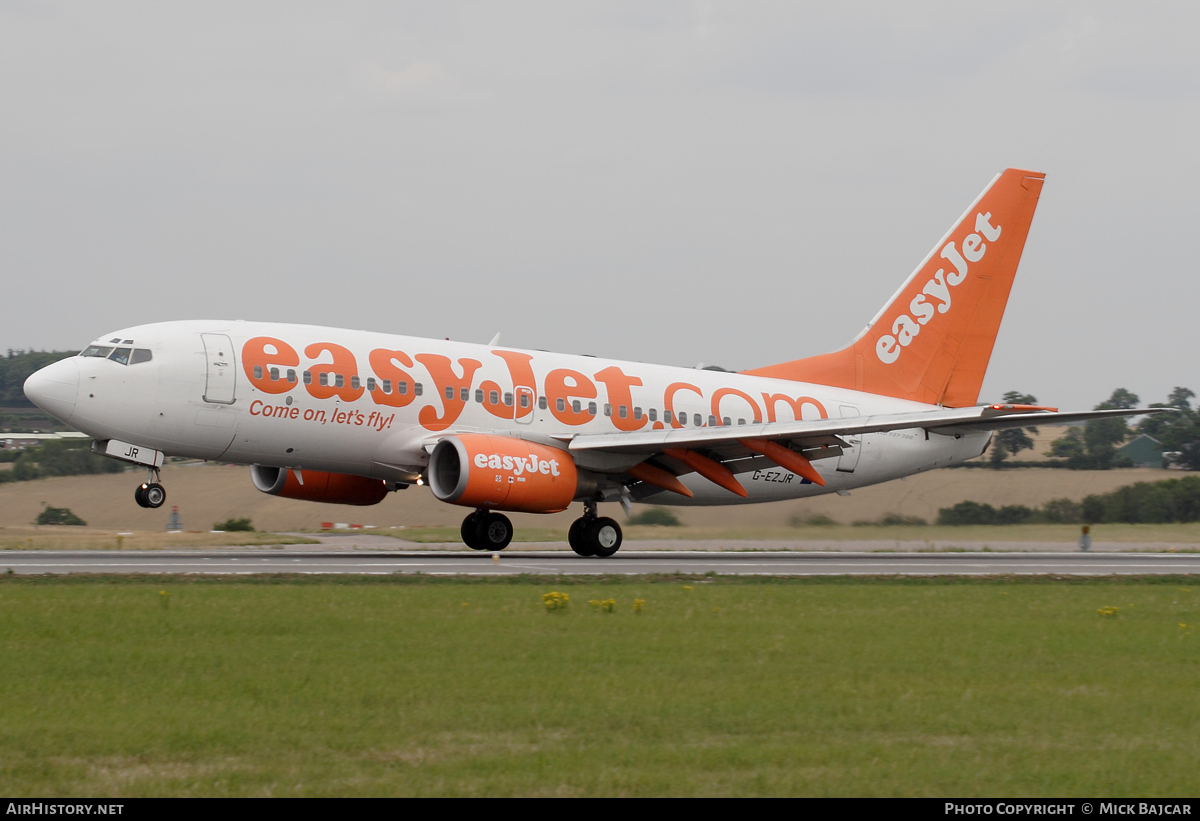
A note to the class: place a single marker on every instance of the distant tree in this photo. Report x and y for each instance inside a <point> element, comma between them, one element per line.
<point>1095,447</point>
<point>1012,440</point>
<point>1177,432</point>
<point>1179,398</point>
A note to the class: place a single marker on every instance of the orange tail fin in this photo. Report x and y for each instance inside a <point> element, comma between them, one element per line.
<point>931,343</point>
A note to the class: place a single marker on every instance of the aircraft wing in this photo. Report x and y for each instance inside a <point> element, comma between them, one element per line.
<point>822,432</point>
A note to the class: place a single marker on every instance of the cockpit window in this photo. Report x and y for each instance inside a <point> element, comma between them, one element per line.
<point>120,355</point>
<point>96,350</point>
<point>141,355</point>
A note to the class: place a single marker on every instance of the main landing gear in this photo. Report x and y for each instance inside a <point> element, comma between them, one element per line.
<point>485,530</point>
<point>591,535</point>
<point>150,493</point>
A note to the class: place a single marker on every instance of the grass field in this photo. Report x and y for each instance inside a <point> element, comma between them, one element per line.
<point>410,686</point>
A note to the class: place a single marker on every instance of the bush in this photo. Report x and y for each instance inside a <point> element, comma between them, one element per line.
<point>892,520</point>
<point>1169,500</point>
<point>813,520</point>
<point>1062,512</point>
<point>1015,515</point>
<point>655,516</point>
<point>58,516</point>
<point>967,513</point>
<point>235,525</point>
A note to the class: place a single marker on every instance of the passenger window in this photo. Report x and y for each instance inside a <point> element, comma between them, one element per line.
<point>354,382</point>
<point>542,402</point>
<point>622,411</point>
<point>449,392</point>
<point>524,400</point>
<point>493,397</point>
<point>464,394</point>
<point>274,374</point>
<point>712,421</point>
<point>592,408</point>
<point>725,420</point>
<point>323,379</point>
<point>401,387</point>
<point>371,384</point>
<point>338,380</point>
<point>291,376</point>
<point>683,418</point>
<point>141,355</point>
<point>653,415</point>
<point>560,404</point>
<point>576,406</point>
<point>120,355</point>
<point>387,386</point>
<point>479,395</point>
<point>696,420</point>
<point>508,399</point>
<point>607,409</point>
<point>741,421</point>
<point>308,377</point>
<point>258,371</point>
<point>637,412</point>
<point>418,389</point>
<point>667,416</point>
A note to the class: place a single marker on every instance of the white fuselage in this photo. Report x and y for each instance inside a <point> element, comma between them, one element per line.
<point>199,395</point>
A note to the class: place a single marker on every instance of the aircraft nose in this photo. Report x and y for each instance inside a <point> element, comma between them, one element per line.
<point>55,388</point>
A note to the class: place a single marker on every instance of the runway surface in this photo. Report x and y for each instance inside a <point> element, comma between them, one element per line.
<point>243,561</point>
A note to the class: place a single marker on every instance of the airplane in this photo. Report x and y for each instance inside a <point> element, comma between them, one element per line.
<point>347,417</point>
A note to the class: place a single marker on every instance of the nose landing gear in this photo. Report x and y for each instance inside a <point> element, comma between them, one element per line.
<point>150,493</point>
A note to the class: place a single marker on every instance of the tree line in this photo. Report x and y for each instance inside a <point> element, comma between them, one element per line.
<point>63,458</point>
<point>17,367</point>
<point>1165,501</point>
<point>1093,446</point>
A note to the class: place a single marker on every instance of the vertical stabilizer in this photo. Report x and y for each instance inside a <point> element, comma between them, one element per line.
<point>931,343</point>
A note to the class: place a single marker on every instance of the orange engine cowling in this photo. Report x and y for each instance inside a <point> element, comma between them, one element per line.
<point>318,486</point>
<point>501,473</point>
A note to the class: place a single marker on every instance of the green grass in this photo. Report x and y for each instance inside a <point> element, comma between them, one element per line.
<point>409,686</point>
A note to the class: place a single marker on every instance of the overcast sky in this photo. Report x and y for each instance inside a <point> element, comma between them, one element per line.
<point>678,182</point>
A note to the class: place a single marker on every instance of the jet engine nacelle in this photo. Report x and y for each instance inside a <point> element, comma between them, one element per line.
<point>318,486</point>
<point>502,473</point>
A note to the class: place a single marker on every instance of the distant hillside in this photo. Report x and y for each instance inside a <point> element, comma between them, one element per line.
<point>16,368</point>
<point>16,412</point>
<point>213,493</point>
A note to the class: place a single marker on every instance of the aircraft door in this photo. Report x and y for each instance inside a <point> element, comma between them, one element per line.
<point>221,369</point>
<point>849,458</point>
